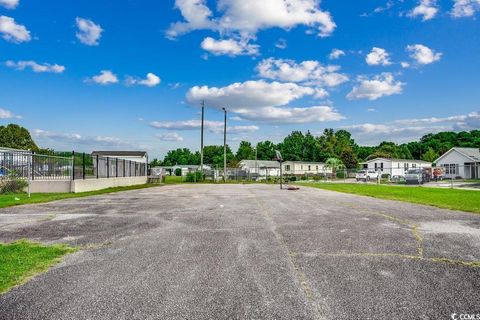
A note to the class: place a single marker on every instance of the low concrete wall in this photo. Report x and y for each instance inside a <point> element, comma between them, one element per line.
<point>63,186</point>
<point>98,184</point>
<point>50,186</point>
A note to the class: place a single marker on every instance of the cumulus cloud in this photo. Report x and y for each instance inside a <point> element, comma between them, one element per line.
<point>7,114</point>
<point>151,80</point>
<point>212,126</point>
<point>36,67</point>
<point>105,77</point>
<point>378,56</point>
<point>229,47</point>
<point>336,54</point>
<point>422,54</point>
<point>263,101</point>
<point>309,72</point>
<point>465,8</point>
<point>88,32</point>
<point>427,9</point>
<point>12,31</point>
<point>379,86</point>
<point>169,136</point>
<point>9,4</point>
<point>247,17</point>
<point>410,129</point>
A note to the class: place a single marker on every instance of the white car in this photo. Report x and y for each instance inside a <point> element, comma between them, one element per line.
<point>366,175</point>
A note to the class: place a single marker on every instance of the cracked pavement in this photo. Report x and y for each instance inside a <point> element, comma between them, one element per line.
<point>247,252</point>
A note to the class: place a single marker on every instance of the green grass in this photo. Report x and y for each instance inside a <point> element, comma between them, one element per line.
<point>9,200</point>
<point>454,199</point>
<point>173,179</point>
<point>21,260</point>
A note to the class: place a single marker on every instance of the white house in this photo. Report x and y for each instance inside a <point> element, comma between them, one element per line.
<point>394,167</point>
<point>135,156</point>
<point>262,168</point>
<point>304,168</point>
<point>461,162</point>
<point>185,169</point>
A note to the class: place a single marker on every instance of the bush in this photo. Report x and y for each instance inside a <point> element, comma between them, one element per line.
<point>196,176</point>
<point>178,172</point>
<point>386,176</point>
<point>12,184</point>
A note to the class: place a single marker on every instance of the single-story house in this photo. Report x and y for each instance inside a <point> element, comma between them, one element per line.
<point>394,167</point>
<point>304,168</point>
<point>461,162</point>
<point>261,168</point>
<point>135,156</point>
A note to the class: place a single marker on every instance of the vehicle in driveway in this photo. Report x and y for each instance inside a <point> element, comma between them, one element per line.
<point>417,176</point>
<point>366,175</point>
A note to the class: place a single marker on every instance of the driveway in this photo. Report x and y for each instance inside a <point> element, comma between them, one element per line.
<point>247,252</point>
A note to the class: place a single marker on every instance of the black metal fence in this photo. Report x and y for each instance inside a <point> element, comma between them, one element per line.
<point>87,166</point>
<point>66,166</point>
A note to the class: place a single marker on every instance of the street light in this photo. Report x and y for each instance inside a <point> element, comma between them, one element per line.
<point>225,146</point>
<point>201,136</point>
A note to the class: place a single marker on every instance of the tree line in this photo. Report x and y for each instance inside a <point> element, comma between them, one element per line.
<point>297,146</point>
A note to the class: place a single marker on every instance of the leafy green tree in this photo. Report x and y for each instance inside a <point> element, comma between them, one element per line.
<point>245,151</point>
<point>292,147</point>
<point>16,137</point>
<point>181,156</point>
<point>335,164</point>
<point>155,163</point>
<point>266,150</point>
<point>430,155</point>
<point>213,155</point>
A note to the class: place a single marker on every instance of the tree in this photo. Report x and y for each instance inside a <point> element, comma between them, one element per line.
<point>245,151</point>
<point>182,156</point>
<point>430,155</point>
<point>155,163</point>
<point>16,137</point>
<point>266,150</point>
<point>348,158</point>
<point>213,155</point>
<point>334,164</point>
<point>292,147</point>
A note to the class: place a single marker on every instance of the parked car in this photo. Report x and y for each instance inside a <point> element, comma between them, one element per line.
<point>417,176</point>
<point>366,175</point>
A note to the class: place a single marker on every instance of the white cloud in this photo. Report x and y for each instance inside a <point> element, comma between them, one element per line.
<point>291,115</point>
<point>281,44</point>
<point>151,80</point>
<point>427,9</point>
<point>465,8</point>
<point>247,17</point>
<point>169,136</point>
<point>36,67</point>
<point>249,94</point>
<point>410,129</point>
<point>212,126</point>
<point>379,86</point>
<point>9,4</point>
<point>336,54</point>
<point>105,77</point>
<point>405,64</point>
<point>7,114</point>
<point>72,139</point>
<point>88,32</point>
<point>311,72</point>
<point>378,56</point>
<point>229,47</point>
<point>422,54</point>
<point>263,101</point>
<point>13,32</point>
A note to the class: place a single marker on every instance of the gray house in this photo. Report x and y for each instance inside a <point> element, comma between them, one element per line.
<point>461,163</point>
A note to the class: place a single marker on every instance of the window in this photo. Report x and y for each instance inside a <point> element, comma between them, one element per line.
<point>301,167</point>
<point>317,168</point>
<point>451,168</point>
<point>376,165</point>
<point>287,167</point>
<point>405,166</point>
<point>414,165</point>
<point>309,168</point>
<point>381,166</point>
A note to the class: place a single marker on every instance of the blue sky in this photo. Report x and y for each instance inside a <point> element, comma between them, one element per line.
<point>130,74</point>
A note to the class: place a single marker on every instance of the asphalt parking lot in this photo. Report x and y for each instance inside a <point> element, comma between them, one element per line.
<point>247,252</point>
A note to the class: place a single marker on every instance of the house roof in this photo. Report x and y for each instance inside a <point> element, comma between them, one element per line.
<point>401,160</point>
<point>260,163</point>
<point>120,153</point>
<point>471,153</point>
